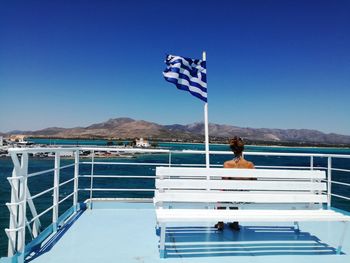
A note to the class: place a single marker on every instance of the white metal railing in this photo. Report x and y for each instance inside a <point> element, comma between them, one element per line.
<point>21,197</point>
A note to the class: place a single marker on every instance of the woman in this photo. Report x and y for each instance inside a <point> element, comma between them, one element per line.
<point>237,147</point>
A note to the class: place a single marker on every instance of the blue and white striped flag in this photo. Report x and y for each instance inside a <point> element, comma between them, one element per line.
<point>187,74</point>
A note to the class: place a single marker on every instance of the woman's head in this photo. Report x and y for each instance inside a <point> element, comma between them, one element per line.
<point>237,145</point>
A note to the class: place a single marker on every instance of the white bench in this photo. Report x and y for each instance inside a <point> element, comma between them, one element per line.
<point>284,196</point>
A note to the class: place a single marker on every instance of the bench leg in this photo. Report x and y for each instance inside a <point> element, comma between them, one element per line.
<point>162,241</point>
<point>342,237</point>
<point>296,227</point>
<point>157,229</point>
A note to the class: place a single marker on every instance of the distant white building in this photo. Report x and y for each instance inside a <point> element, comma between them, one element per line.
<point>142,143</point>
<point>1,141</point>
<point>20,140</point>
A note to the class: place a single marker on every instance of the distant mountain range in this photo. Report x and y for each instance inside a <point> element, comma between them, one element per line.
<point>123,128</point>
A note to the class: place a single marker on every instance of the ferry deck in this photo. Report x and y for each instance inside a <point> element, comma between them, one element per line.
<point>123,229</point>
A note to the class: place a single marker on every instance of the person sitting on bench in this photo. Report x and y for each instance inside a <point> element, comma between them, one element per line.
<point>237,147</point>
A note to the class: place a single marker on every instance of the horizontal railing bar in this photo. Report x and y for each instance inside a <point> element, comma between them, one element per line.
<point>341,183</point>
<point>127,150</point>
<point>287,167</point>
<point>48,190</point>
<point>271,154</point>
<point>42,193</point>
<point>153,164</point>
<point>67,166</point>
<point>64,199</point>
<point>149,164</point>
<point>72,149</point>
<point>66,182</point>
<point>118,176</point>
<point>39,215</point>
<point>15,178</point>
<point>42,172</point>
<point>15,203</point>
<point>116,189</point>
<point>14,229</point>
<point>340,196</point>
<point>43,150</point>
<point>117,163</point>
<point>340,170</point>
<point>324,155</point>
<point>133,150</point>
<point>50,170</point>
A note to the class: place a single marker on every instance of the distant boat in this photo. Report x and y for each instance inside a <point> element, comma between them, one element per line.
<point>24,143</point>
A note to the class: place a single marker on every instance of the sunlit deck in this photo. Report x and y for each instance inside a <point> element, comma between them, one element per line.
<point>125,232</point>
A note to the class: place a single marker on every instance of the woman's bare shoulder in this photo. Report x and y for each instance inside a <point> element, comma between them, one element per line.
<point>249,164</point>
<point>229,164</point>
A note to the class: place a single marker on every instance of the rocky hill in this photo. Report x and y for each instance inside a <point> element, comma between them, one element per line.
<point>264,134</point>
<point>129,128</point>
<point>113,128</point>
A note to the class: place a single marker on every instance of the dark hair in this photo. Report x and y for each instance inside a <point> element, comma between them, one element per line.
<point>237,145</point>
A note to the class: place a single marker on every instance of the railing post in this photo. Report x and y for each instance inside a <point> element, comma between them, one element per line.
<point>169,159</point>
<point>76,175</point>
<point>56,182</point>
<point>14,182</point>
<point>92,177</point>
<point>329,182</point>
<point>22,199</point>
<point>311,162</point>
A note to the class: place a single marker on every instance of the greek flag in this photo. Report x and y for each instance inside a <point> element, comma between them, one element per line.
<point>187,74</point>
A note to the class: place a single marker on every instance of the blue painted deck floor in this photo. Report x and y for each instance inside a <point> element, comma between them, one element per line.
<point>125,232</point>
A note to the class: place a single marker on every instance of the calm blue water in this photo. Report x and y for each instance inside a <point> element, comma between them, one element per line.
<point>42,182</point>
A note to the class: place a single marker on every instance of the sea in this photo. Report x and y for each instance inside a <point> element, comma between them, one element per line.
<point>42,182</point>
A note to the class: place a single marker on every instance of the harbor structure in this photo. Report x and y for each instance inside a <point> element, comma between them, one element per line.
<point>142,143</point>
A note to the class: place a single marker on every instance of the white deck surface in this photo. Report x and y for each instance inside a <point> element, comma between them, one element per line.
<point>125,232</point>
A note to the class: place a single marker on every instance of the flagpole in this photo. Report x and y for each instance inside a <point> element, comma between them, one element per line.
<point>206,124</point>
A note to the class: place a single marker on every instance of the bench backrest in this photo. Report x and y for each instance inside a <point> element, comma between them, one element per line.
<point>205,185</point>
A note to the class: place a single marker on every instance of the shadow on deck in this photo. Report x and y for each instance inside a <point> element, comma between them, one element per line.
<point>249,241</point>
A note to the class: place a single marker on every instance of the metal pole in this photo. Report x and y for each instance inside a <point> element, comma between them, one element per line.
<point>56,183</point>
<point>206,124</point>
<point>76,175</point>
<point>169,159</point>
<point>311,162</point>
<point>329,182</point>
<point>92,177</point>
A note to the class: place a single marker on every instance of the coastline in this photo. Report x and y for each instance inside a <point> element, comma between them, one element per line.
<point>218,143</point>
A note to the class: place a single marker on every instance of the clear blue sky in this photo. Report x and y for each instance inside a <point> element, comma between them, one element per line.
<point>271,64</point>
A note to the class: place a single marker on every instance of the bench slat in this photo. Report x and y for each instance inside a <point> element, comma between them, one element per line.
<point>221,196</point>
<point>256,173</point>
<point>240,185</point>
<point>204,215</point>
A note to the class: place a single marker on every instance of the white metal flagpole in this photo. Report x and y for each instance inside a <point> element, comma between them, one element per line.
<point>206,124</point>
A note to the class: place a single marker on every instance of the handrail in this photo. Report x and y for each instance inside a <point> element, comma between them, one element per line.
<point>118,176</point>
<point>118,189</point>
<point>133,150</point>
